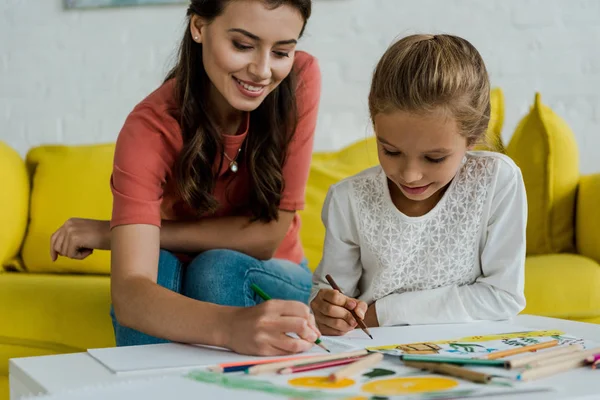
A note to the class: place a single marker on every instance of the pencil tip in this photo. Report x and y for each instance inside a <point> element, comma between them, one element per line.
<point>371,337</point>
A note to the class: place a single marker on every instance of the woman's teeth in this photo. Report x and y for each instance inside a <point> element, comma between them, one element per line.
<point>249,87</point>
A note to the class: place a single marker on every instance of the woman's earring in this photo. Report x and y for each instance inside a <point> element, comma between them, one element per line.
<point>196,38</point>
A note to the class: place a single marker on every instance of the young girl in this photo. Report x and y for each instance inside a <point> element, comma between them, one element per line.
<point>209,171</point>
<point>436,233</point>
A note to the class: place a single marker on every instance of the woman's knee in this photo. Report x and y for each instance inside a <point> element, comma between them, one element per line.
<point>219,276</point>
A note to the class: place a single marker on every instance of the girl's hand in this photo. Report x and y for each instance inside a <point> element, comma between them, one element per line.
<point>262,329</point>
<point>332,312</point>
<point>371,316</point>
<point>78,237</point>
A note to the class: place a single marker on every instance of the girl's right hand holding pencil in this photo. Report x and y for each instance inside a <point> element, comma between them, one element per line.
<point>263,329</point>
<point>332,312</point>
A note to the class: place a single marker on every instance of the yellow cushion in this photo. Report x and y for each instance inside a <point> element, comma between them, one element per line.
<point>493,135</point>
<point>68,181</point>
<point>4,392</point>
<point>54,314</point>
<point>588,216</point>
<point>544,147</point>
<point>327,169</point>
<point>13,206</point>
<point>562,286</point>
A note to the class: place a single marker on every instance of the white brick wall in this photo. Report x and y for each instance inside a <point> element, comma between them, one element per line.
<point>72,76</point>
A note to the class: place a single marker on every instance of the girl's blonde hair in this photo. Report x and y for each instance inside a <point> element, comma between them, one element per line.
<point>422,73</point>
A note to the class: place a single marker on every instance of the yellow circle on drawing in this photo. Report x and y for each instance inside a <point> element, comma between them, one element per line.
<point>417,384</point>
<point>320,382</point>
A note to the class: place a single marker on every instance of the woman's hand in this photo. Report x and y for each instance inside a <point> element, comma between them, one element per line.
<point>78,237</point>
<point>332,312</point>
<point>262,329</point>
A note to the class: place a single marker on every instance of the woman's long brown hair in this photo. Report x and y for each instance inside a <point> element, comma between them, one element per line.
<point>272,126</point>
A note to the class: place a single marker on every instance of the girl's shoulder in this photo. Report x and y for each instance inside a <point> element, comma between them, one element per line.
<point>497,169</point>
<point>370,178</point>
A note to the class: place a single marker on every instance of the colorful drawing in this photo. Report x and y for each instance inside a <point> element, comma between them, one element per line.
<point>320,382</point>
<point>378,373</point>
<point>243,383</point>
<point>409,385</point>
<point>419,348</point>
<point>475,346</point>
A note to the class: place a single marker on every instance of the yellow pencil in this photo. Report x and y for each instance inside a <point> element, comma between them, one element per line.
<point>357,366</point>
<point>524,349</point>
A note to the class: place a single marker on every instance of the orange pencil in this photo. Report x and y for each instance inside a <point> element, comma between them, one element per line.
<point>524,349</point>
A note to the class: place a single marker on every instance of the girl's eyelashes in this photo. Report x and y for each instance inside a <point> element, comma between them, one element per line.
<point>243,47</point>
<point>391,153</point>
<point>429,159</point>
<point>436,160</point>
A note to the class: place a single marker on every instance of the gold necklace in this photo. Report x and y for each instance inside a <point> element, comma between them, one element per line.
<point>233,165</point>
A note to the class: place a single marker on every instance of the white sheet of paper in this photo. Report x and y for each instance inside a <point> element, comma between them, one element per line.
<point>170,357</point>
<point>173,356</point>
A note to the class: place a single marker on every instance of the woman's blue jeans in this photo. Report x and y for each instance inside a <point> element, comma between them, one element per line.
<point>223,277</point>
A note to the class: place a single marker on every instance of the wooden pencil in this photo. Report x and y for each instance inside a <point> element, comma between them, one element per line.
<point>519,350</point>
<point>357,366</point>
<point>544,355</point>
<point>452,370</point>
<point>274,367</point>
<point>247,364</point>
<point>359,320</point>
<point>556,365</point>
<point>564,358</point>
<point>482,362</point>
<point>319,365</point>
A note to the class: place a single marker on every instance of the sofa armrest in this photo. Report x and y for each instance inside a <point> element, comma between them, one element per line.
<point>587,224</point>
<point>14,206</point>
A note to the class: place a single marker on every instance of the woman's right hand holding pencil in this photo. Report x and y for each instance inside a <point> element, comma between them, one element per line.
<point>332,312</point>
<point>262,329</point>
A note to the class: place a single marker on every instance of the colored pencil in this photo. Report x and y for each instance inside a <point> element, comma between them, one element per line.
<point>274,367</point>
<point>266,297</point>
<point>544,355</point>
<point>357,366</point>
<point>319,365</point>
<point>593,358</point>
<point>225,367</point>
<point>454,360</point>
<point>556,365</point>
<point>359,320</point>
<point>519,350</point>
<point>452,370</point>
<point>564,358</point>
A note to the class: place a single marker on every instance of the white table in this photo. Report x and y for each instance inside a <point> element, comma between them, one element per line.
<point>53,374</point>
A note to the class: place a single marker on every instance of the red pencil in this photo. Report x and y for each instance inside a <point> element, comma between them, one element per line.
<point>319,365</point>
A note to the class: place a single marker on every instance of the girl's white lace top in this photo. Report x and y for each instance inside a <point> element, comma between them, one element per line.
<point>462,261</point>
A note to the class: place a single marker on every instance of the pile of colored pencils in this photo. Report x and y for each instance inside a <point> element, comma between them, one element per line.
<point>534,366</point>
<point>354,362</point>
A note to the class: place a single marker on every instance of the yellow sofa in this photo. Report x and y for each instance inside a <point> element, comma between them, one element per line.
<point>51,308</point>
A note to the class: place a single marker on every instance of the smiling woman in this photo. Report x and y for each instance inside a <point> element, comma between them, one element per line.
<point>208,173</point>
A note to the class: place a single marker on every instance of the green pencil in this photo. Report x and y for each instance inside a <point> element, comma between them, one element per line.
<point>454,360</point>
<point>266,297</point>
